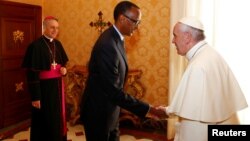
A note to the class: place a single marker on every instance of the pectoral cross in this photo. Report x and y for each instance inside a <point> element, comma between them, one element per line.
<point>54,64</point>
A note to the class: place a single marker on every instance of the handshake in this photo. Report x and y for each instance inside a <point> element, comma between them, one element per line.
<point>158,112</point>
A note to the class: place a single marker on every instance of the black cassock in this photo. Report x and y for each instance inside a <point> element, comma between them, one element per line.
<point>47,122</point>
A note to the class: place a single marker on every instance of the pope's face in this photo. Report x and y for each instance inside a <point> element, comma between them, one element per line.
<point>179,40</point>
<point>51,28</point>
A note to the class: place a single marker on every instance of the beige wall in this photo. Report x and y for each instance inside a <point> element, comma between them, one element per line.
<point>148,49</point>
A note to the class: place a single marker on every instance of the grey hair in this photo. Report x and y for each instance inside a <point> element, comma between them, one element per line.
<point>46,19</point>
<point>197,34</point>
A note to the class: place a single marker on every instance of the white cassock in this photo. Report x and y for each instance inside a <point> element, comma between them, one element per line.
<point>208,93</point>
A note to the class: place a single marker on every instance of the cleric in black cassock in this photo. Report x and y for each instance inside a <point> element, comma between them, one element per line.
<point>45,61</point>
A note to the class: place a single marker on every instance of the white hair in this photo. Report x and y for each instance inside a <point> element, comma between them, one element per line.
<point>197,34</point>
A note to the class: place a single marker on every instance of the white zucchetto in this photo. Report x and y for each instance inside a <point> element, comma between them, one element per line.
<point>193,22</point>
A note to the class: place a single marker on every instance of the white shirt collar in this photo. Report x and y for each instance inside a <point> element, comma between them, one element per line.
<point>50,39</point>
<point>122,37</point>
<point>190,54</point>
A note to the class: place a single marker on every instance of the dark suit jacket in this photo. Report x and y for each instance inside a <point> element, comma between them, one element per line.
<point>104,93</point>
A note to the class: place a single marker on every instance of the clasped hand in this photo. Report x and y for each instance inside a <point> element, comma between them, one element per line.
<point>63,70</point>
<point>158,112</point>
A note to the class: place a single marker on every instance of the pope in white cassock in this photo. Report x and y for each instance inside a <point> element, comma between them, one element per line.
<point>208,92</point>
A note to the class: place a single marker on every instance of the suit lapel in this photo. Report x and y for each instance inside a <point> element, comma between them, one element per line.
<point>122,50</point>
<point>120,45</point>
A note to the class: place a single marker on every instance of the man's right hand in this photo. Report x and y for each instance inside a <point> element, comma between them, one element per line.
<point>36,104</point>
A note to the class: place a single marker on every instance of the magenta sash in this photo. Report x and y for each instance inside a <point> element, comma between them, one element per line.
<point>54,72</point>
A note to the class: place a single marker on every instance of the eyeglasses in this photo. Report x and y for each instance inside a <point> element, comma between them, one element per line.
<point>135,22</point>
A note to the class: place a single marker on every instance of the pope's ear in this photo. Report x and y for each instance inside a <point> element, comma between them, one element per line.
<point>187,36</point>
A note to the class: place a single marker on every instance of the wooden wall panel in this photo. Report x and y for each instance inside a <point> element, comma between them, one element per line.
<point>20,24</point>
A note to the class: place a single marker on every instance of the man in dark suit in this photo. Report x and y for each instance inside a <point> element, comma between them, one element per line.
<point>104,93</point>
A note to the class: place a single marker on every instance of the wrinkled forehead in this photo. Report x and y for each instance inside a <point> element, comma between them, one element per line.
<point>50,22</point>
<point>176,28</point>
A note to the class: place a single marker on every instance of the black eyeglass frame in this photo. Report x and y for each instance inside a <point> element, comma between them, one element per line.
<point>136,22</point>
